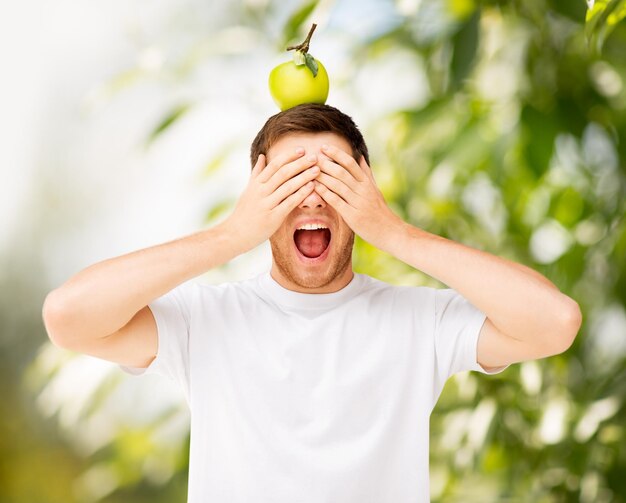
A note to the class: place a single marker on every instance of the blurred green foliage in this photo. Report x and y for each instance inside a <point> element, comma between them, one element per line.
<point>602,17</point>
<point>518,149</point>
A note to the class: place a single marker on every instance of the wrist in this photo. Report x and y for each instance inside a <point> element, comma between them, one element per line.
<point>394,234</point>
<point>231,235</point>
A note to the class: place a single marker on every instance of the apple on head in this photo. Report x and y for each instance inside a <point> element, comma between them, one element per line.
<point>302,80</point>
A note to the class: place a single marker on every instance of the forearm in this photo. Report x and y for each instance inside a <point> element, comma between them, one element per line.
<point>103,297</point>
<point>520,302</point>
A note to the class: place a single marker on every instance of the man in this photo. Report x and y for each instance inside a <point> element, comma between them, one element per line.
<point>310,383</point>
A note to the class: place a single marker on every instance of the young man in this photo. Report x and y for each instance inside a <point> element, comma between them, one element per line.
<point>310,383</point>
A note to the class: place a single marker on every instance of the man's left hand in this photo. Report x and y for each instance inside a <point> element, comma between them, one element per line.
<point>349,187</point>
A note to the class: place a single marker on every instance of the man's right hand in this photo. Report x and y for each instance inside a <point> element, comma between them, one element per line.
<point>103,310</point>
<point>273,191</point>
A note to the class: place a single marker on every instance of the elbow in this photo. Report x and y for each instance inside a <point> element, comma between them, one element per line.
<point>570,320</point>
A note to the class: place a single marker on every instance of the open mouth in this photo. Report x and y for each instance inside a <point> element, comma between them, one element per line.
<point>312,244</point>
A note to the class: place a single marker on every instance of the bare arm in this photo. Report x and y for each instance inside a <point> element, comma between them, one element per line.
<point>527,316</point>
<point>104,297</point>
<point>103,310</point>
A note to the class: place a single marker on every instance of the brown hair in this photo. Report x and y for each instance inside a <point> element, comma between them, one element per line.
<point>308,118</point>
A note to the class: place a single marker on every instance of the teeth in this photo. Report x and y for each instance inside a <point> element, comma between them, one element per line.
<point>312,227</point>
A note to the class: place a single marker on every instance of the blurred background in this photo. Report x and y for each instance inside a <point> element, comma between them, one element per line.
<point>500,124</point>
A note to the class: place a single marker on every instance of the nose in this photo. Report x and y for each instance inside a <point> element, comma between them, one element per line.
<point>313,200</point>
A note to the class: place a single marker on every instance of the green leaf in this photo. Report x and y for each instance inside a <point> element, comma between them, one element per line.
<point>218,210</point>
<point>311,64</point>
<point>426,115</point>
<point>568,207</point>
<point>617,15</point>
<point>465,43</point>
<point>170,118</point>
<point>214,164</point>
<point>539,131</point>
<point>460,9</point>
<point>124,80</point>
<point>601,19</point>
<point>293,24</point>
<point>573,9</point>
<point>219,158</point>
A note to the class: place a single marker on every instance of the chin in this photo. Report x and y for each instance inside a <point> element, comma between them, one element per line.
<point>311,276</point>
<point>311,279</point>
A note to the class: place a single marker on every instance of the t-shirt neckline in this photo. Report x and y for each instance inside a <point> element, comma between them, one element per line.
<point>289,298</point>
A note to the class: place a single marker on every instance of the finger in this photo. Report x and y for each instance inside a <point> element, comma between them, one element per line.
<point>366,168</point>
<point>337,186</point>
<point>277,162</point>
<point>289,203</point>
<point>290,170</point>
<point>292,185</point>
<point>336,171</point>
<point>258,167</point>
<point>331,198</point>
<point>345,160</point>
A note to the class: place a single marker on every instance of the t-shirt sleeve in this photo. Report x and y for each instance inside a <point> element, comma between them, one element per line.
<point>457,328</point>
<point>172,313</point>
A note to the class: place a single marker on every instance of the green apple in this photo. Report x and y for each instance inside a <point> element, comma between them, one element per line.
<point>292,84</point>
<point>303,80</point>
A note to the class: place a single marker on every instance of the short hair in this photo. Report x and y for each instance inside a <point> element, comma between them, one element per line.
<point>308,118</point>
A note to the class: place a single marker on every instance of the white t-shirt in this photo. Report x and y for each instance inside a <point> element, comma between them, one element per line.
<point>312,398</point>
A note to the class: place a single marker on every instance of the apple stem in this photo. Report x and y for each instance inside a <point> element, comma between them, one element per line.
<point>304,46</point>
